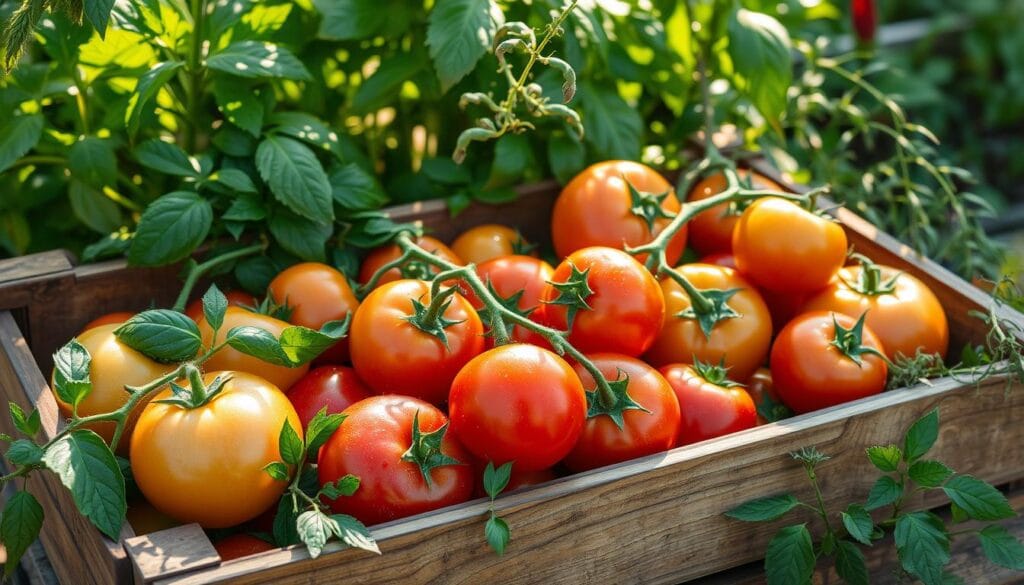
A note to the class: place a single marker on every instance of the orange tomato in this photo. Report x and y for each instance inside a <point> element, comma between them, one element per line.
<point>316,294</point>
<point>109,319</point>
<point>236,298</point>
<point>711,230</point>
<point>229,358</point>
<point>486,242</point>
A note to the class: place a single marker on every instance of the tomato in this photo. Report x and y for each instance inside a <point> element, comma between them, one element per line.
<point>316,294</point>
<point>486,242</point>
<point>205,464</point>
<point>236,298</point>
<point>394,356</point>
<point>766,400</point>
<point>595,209</point>
<point>237,546</point>
<point>905,315</point>
<point>742,341</point>
<point>626,305</point>
<point>643,433</point>
<point>784,305</point>
<point>810,372</point>
<point>710,404</point>
<point>144,518</point>
<point>336,387</point>
<point>114,365</point>
<point>721,259</point>
<point>509,275</point>
<point>372,444</point>
<point>386,254</point>
<point>518,403</point>
<point>228,358</point>
<point>711,230</point>
<point>109,319</point>
<point>782,247</point>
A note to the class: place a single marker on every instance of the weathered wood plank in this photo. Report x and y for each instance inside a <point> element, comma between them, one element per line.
<point>170,552</point>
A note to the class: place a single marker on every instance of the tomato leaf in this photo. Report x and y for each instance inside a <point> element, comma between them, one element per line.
<point>149,84</point>
<point>295,177</point>
<point>238,181</point>
<point>353,533</point>
<point>239,103</point>
<point>354,188</point>
<point>86,466</point>
<point>885,491</point>
<point>170,229</point>
<point>347,20</point>
<point>97,12</point>
<point>285,531</point>
<point>759,47</point>
<point>166,158</point>
<point>308,129</point>
<point>24,452</point>
<point>858,523</point>
<point>764,509</point>
<point>321,428</point>
<point>346,486</point>
<point>922,545</point>
<point>290,445</point>
<point>496,480</point>
<point>215,305</point>
<point>921,436</point>
<point>612,126</point>
<point>566,156</point>
<point>245,208</point>
<point>277,470</point>
<point>258,343</point>
<point>161,334</point>
<point>27,424</point>
<point>1001,547</point>
<point>381,87</point>
<point>301,344</point>
<point>18,135</point>
<point>258,59</point>
<point>885,458</point>
<point>315,528</point>
<point>19,527</point>
<point>850,565</point>
<point>97,211</point>
<point>305,238</point>
<point>71,373</point>
<point>497,533</point>
<point>978,499</point>
<point>929,474</point>
<point>789,559</point>
<point>93,161</point>
<point>458,34</point>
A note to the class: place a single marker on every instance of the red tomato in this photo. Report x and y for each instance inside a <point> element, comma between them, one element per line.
<point>643,433</point>
<point>394,356</point>
<point>711,230</point>
<point>742,341</point>
<point>109,319</point>
<point>780,246</point>
<point>783,306</point>
<point>766,399</point>
<point>810,372</point>
<point>236,298</point>
<point>336,387</point>
<point>229,358</point>
<point>510,275</point>
<point>595,209</point>
<point>237,546</point>
<point>720,259</point>
<point>372,443</point>
<point>518,403</point>
<point>385,254</point>
<point>625,303</point>
<point>316,294</point>
<point>710,407</point>
<point>486,242</point>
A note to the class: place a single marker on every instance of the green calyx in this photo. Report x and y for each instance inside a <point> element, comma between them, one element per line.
<point>270,307</point>
<point>850,343</point>
<point>716,374</point>
<point>612,403</point>
<point>573,293</point>
<point>430,318</point>
<point>870,282</point>
<point>425,450</point>
<point>521,247</point>
<point>708,307</point>
<point>510,304</point>
<point>197,394</point>
<point>647,206</point>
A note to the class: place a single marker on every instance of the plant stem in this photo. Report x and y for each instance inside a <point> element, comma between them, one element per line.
<point>83,109</point>
<point>199,270</point>
<point>39,159</point>
<point>195,69</point>
<point>136,395</point>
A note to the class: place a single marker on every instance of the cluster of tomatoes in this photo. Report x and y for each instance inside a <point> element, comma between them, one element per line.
<point>429,399</point>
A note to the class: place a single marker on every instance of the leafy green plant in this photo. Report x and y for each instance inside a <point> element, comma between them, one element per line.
<point>922,538</point>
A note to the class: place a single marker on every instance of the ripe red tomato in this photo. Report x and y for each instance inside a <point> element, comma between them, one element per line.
<point>711,230</point>
<point>230,359</point>
<point>393,356</point>
<point>643,433</point>
<point>742,341</point>
<point>486,242</point>
<point>237,546</point>
<point>595,209</point>
<point>720,259</point>
<point>372,444</point>
<point>316,294</point>
<point>626,305</point>
<point>783,305</point>
<point>766,399</point>
<point>509,275</point>
<point>518,403</point>
<point>906,316</point>
<point>810,372</point>
<point>236,298</point>
<point>386,254</point>
<point>710,407</point>
<point>780,246</point>
<point>109,319</point>
<point>205,465</point>
<point>336,387</point>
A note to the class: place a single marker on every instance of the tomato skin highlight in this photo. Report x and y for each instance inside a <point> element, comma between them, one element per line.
<point>394,357</point>
<point>205,465</point>
<point>370,444</point>
<point>594,209</point>
<point>518,403</point>
<point>237,546</point>
<point>711,230</point>
<point>378,257</point>
<point>643,433</point>
<point>333,387</point>
<point>316,294</point>
<point>626,307</point>
<point>236,298</point>
<point>809,373</point>
<point>708,410</point>
<point>782,247</point>
<point>109,319</point>
<point>720,259</point>
<point>487,242</point>
<point>230,359</point>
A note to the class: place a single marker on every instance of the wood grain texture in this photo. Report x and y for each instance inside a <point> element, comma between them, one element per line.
<point>170,552</point>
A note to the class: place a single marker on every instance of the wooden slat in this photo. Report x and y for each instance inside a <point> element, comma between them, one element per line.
<point>170,552</point>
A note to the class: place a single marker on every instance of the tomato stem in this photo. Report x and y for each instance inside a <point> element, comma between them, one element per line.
<point>196,271</point>
<point>120,416</point>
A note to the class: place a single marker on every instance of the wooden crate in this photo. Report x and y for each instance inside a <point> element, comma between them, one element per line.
<point>657,519</point>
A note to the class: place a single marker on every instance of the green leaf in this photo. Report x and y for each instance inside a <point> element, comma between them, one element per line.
<point>308,129</point>
<point>922,545</point>
<point>86,466</point>
<point>344,487</point>
<point>858,523</point>
<point>612,126</point>
<point>348,20</point>
<point>161,334</point>
<point>497,533</point>
<point>321,428</point>
<point>921,436</point>
<point>764,509</point>
<point>166,158</point>
<point>354,188</point>
<point>245,208</point>
<point>315,528</point>
<point>459,32</point>
<point>97,12</point>
<point>240,104</point>
<point>238,181</point>
<point>789,559</point>
<point>170,229</point>
<point>957,513</point>
<point>71,366</point>
<point>27,424</point>
<point>19,527</point>
<point>92,161</point>
<point>978,499</point>
<point>18,135</point>
<point>24,452</point>
<point>383,86</point>
<point>258,59</point>
<point>94,209</point>
<point>114,244</point>
<point>290,445</point>
<point>146,89</point>
<point>512,156</point>
<point>295,177</point>
<point>1001,547</point>
<point>258,343</point>
<point>850,565</point>
<point>885,458</point>
<point>759,47</point>
<point>353,533</point>
<point>215,305</point>
<point>496,480</point>
<point>929,474</point>
<point>302,237</point>
<point>285,531</point>
<point>566,156</point>
<point>277,470</point>
<point>301,344</point>
<point>885,491</point>
<point>496,196</point>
